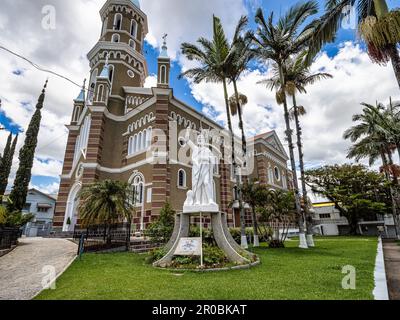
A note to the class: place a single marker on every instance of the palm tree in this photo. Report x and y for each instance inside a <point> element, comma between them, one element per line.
<point>240,59</point>
<point>379,28</point>
<point>370,141</point>
<point>215,58</point>
<point>390,120</point>
<point>277,42</point>
<point>105,202</point>
<point>298,76</point>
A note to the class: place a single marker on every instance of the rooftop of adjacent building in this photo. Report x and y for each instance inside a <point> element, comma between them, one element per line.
<point>52,197</point>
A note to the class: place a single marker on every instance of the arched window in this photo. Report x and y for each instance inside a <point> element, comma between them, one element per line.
<point>83,138</point>
<point>135,144</point>
<point>138,189</point>
<point>134,29</point>
<point>132,44</point>
<point>140,139</point>
<point>92,85</point>
<point>163,74</point>
<point>182,178</point>
<point>149,137</point>
<point>115,38</point>
<point>100,93</point>
<point>118,21</point>
<point>130,146</point>
<point>76,114</point>
<point>111,75</point>
<point>144,139</point>
<point>270,175</point>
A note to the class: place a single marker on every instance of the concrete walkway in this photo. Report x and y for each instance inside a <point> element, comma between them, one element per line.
<point>391,252</point>
<point>22,270</point>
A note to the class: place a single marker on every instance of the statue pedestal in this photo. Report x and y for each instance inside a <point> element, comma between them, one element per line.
<point>222,237</point>
<point>209,208</point>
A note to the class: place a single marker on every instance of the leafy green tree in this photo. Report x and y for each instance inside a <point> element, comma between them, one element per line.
<point>379,28</point>
<point>216,63</point>
<point>277,42</point>
<point>160,231</point>
<point>15,219</point>
<point>278,213</point>
<point>6,167</point>
<point>26,156</point>
<point>356,192</point>
<point>371,139</point>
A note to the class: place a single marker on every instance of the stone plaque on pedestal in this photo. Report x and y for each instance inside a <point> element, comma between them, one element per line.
<point>188,247</point>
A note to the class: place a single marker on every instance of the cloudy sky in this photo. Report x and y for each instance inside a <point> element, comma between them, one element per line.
<point>330,104</point>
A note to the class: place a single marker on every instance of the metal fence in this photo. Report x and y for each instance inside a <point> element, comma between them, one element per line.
<point>9,237</point>
<point>103,237</point>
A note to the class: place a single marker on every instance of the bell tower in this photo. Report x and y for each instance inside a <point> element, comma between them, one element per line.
<point>121,44</point>
<point>164,66</point>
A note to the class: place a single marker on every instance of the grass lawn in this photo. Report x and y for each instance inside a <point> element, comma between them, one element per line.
<point>289,273</point>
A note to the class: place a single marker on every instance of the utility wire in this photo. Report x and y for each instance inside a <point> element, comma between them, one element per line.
<point>41,68</point>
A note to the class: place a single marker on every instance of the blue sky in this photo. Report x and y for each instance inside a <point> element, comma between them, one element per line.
<point>65,49</point>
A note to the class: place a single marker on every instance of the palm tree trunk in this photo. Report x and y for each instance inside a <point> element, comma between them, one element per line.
<point>398,149</point>
<point>395,57</point>
<point>243,241</point>
<point>303,243</point>
<point>308,215</point>
<point>392,195</point>
<point>256,240</point>
<point>240,114</point>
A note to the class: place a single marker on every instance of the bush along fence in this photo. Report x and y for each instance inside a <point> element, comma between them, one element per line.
<point>9,237</point>
<point>100,238</point>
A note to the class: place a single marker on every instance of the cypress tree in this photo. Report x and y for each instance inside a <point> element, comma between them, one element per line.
<point>6,168</point>
<point>26,156</point>
<point>4,164</point>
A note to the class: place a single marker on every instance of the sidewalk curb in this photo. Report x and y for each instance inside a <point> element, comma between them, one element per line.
<point>381,291</point>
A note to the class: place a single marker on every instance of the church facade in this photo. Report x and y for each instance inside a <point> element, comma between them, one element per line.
<point>121,130</point>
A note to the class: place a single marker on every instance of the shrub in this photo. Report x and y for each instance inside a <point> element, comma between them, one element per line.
<point>208,235</point>
<point>155,255</point>
<point>213,257</point>
<point>160,231</point>
<point>263,233</point>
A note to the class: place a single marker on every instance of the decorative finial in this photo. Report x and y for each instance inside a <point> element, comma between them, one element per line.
<point>165,39</point>
<point>84,84</point>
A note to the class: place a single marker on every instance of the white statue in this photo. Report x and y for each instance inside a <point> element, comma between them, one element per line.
<point>201,197</point>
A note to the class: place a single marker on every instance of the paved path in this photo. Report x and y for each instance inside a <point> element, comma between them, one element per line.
<point>391,252</point>
<point>21,269</point>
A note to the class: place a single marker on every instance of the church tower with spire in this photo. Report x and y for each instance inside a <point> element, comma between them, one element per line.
<point>120,130</point>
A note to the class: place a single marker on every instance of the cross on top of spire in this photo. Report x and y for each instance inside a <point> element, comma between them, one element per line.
<point>164,48</point>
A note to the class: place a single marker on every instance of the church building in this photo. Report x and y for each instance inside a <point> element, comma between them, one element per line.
<point>121,130</point>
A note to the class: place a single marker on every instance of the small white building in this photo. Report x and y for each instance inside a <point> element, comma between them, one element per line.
<point>329,222</point>
<point>42,206</point>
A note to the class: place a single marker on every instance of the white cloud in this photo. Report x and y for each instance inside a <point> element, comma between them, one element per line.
<point>186,21</point>
<point>47,188</point>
